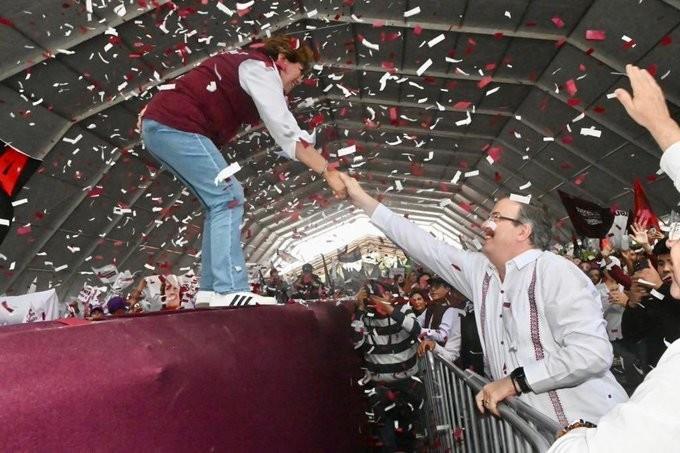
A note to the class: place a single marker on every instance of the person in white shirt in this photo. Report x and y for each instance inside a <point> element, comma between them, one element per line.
<point>649,421</point>
<point>539,317</point>
<point>440,324</point>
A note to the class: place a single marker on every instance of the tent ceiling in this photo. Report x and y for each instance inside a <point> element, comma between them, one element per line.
<point>72,83</point>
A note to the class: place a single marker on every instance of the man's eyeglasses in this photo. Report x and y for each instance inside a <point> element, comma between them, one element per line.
<point>496,216</point>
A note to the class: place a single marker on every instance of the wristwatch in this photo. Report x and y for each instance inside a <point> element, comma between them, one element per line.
<point>519,379</point>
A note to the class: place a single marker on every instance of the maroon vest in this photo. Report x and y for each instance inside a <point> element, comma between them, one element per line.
<point>209,100</point>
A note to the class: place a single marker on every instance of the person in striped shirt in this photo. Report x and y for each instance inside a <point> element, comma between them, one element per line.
<point>387,336</point>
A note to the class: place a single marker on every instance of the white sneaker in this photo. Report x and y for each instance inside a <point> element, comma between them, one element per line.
<point>240,300</point>
<point>203,298</point>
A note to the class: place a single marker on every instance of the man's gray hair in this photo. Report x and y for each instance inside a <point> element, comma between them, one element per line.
<point>536,215</point>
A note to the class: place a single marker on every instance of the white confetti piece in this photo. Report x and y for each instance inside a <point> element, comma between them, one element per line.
<point>591,132</point>
<point>227,172</point>
<point>445,202</point>
<point>520,198</point>
<point>412,12</point>
<point>347,150</point>
<point>222,7</point>
<point>60,268</point>
<point>167,86</point>
<point>508,15</point>
<point>148,266</point>
<point>579,117</point>
<point>611,95</point>
<point>492,91</point>
<point>548,139</point>
<point>12,265</point>
<point>436,40</point>
<point>73,249</point>
<point>212,87</point>
<point>370,45</point>
<point>242,6</point>
<point>429,157</point>
<point>4,222</point>
<point>456,177</point>
<point>489,159</point>
<point>73,141</point>
<point>398,185</point>
<point>20,202</point>
<point>466,121</point>
<point>472,173</point>
<point>656,294</point>
<point>424,67</point>
<point>312,13</point>
<point>120,10</point>
<point>525,186</point>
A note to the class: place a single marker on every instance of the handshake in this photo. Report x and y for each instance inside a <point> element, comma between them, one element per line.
<point>344,185</point>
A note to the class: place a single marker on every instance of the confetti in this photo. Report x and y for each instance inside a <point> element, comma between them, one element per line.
<point>595,35</point>
<point>591,132</point>
<point>520,198</point>
<point>436,40</point>
<point>424,67</point>
<point>370,45</point>
<point>412,12</point>
<point>222,7</point>
<point>469,174</point>
<point>226,173</point>
<point>347,150</point>
<point>20,202</point>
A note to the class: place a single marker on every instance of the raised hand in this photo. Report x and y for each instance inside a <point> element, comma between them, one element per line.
<point>640,235</point>
<point>647,106</point>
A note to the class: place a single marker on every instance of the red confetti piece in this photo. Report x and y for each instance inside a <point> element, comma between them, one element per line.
<point>652,69</point>
<point>599,109</point>
<point>24,230</point>
<point>316,121</point>
<point>6,22</point>
<point>394,116</point>
<point>497,177</point>
<point>580,179</point>
<point>471,44</point>
<point>567,139</point>
<point>498,35</point>
<point>417,169</point>
<point>666,40</point>
<point>570,86</point>
<point>557,21</point>
<point>596,35</point>
<point>462,105</point>
<point>467,207</point>
<point>378,23</point>
<point>566,165</point>
<point>574,102</point>
<point>495,153</point>
<point>560,42</point>
<point>417,30</point>
<point>652,177</point>
<point>95,192</point>
<point>484,81</point>
<point>582,67</point>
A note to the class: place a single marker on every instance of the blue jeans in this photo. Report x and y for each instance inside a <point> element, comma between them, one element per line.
<point>195,160</point>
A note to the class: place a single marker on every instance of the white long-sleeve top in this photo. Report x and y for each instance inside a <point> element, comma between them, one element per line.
<point>545,316</point>
<point>449,333</point>
<point>670,163</point>
<point>649,421</point>
<point>265,86</point>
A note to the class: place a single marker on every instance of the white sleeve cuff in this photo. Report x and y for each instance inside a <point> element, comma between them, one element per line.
<point>381,215</point>
<point>670,163</point>
<point>537,376</point>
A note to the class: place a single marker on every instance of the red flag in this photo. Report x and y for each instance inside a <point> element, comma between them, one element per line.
<point>15,169</point>
<point>642,210</point>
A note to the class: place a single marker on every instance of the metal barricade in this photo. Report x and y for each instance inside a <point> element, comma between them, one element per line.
<point>454,423</point>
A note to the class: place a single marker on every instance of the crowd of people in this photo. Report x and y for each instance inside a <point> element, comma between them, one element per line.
<point>550,326</point>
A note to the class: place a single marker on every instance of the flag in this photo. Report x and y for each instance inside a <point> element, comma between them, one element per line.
<point>589,219</point>
<point>106,274</point>
<point>619,230</point>
<point>642,210</point>
<point>15,169</point>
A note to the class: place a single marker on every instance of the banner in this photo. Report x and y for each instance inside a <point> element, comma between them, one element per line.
<point>42,306</point>
<point>589,219</point>
<point>15,169</point>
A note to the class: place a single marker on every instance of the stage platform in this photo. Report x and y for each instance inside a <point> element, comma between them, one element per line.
<point>254,379</point>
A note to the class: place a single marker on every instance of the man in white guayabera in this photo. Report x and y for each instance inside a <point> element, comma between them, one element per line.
<point>539,317</point>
